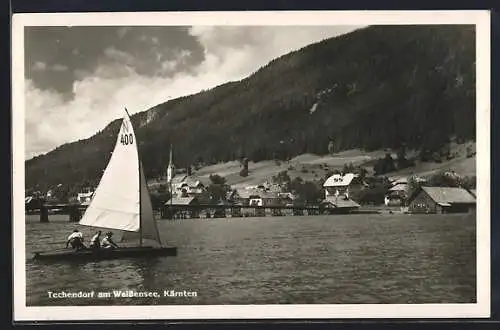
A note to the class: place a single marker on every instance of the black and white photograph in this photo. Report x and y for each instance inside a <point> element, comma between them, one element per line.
<point>251,165</point>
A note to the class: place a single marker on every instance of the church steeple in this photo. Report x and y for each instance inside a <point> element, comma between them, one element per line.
<point>170,168</point>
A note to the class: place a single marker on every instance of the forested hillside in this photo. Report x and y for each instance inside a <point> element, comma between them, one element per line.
<point>378,87</point>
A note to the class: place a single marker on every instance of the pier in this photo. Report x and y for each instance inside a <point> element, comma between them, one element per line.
<point>75,211</point>
<point>238,211</point>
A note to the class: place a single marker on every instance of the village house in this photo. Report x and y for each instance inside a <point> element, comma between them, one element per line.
<point>84,197</point>
<point>184,186</point>
<point>441,200</point>
<point>338,188</point>
<point>342,185</point>
<point>266,198</point>
<point>177,206</point>
<point>398,192</point>
<point>257,197</point>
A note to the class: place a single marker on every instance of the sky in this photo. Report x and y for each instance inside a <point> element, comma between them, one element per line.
<point>78,79</point>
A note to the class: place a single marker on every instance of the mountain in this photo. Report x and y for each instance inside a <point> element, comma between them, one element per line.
<point>377,87</point>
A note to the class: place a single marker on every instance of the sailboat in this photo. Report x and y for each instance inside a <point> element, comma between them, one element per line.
<point>121,202</point>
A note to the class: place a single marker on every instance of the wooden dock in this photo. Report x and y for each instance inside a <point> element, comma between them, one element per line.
<point>238,211</point>
<point>75,211</point>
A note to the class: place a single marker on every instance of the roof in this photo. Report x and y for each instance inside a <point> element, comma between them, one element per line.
<point>338,180</point>
<point>341,202</point>
<point>84,195</point>
<point>399,187</point>
<point>398,180</point>
<point>270,194</point>
<point>449,195</point>
<point>180,201</point>
<point>247,193</point>
<point>473,191</point>
<point>190,181</point>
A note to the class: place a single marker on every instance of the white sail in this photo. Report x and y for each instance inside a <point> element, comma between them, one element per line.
<point>116,201</point>
<point>149,229</point>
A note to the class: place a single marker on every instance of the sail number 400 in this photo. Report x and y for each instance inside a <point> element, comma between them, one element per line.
<point>127,139</point>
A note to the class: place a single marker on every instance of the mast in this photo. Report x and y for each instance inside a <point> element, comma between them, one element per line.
<point>140,189</point>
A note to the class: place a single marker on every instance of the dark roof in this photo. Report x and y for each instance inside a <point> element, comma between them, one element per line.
<point>449,195</point>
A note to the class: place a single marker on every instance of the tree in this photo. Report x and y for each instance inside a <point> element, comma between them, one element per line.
<point>414,185</point>
<point>331,147</point>
<point>281,178</point>
<point>217,179</point>
<point>348,168</point>
<point>362,172</point>
<point>384,165</point>
<point>218,188</point>
<point>444,179</point>
<point>469,152</point>
<point>373,195</point>
<point>389,163</point>
<point>217,192</point>
<point>401,160</point>
<point>306,191</point>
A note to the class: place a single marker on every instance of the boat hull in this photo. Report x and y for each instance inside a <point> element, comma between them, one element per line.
<point>106,254</point>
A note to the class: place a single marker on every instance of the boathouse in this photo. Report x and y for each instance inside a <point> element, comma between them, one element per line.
<point>179,206</point>
<point>340,204</point>
<point>441,200</point>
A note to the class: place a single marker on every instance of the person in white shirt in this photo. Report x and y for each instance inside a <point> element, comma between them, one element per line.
<point>95,242</point>
<point>107,242</point>
<point>76,240</point>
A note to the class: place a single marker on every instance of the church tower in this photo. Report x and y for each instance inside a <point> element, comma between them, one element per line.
<point>170,169</point>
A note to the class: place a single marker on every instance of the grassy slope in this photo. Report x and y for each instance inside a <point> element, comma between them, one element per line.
<point>316,169</point>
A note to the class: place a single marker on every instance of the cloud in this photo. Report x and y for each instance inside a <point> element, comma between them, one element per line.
<point>123,31</point>
<point>39,66</point>
<point>230,53</point>
<point>59,67</point>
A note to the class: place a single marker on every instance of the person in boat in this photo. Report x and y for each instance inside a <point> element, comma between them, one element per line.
<point>107,242</point>
<point>76,240</point>
<point>95,242</point>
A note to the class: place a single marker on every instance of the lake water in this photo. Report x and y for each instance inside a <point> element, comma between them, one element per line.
<point>287,260</point>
